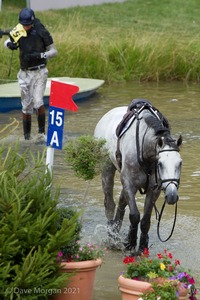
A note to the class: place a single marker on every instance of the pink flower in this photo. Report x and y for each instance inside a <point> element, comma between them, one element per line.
<point>60,254</point>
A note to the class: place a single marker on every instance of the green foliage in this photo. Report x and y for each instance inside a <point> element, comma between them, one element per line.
<point>166,291</point>
<point>73,250</point>
<point>144,267</point>
<point>86,156</point>
<point>165,274</point>
<point>133,40</point>
<point>29,235</point>
<point>84,252</point>
<point>16,3</point>
<point>71,246</point>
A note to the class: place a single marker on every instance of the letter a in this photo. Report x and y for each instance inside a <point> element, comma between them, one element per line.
<point>54,139</point>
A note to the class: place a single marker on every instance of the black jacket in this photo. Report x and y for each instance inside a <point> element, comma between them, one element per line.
<point>37,40</point>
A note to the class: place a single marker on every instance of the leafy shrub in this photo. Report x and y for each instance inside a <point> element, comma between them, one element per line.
<point>86,156</point>
<point>29,235</point>
<point>70,246</point>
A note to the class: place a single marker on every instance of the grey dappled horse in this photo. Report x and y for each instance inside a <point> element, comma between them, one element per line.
<point>147,157</point>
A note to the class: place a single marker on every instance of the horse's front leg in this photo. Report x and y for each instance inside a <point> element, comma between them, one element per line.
<point>134,214</point>
<point>145,223</point>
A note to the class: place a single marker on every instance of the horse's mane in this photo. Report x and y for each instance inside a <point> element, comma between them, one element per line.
<point>161,127</point>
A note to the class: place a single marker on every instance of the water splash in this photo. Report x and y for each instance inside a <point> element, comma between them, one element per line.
<point>112,240</point>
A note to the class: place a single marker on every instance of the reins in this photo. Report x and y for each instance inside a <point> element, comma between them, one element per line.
<point>159,216</point>
<point>140,161</point>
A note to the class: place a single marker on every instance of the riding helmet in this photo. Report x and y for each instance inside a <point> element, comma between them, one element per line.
<point>26,16</point>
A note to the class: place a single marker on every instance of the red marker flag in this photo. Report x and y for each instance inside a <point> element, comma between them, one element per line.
<point>61,95</point>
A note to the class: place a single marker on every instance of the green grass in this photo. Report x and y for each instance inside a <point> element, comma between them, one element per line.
<point>145,40</point>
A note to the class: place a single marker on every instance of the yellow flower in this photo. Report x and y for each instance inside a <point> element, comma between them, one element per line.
<point>162,266</point>
<point>152,275</point>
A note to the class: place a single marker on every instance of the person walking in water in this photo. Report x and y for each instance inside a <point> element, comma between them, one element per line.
<point>36,46</point>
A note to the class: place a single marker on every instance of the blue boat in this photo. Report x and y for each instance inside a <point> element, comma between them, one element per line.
<point>10,92</point>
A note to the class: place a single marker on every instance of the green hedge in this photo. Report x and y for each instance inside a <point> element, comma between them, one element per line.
<point>31,232</point>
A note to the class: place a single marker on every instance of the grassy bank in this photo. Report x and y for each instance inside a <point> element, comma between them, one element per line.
<point>135,40</point>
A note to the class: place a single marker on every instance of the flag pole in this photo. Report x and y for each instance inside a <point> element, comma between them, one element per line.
<point>50,159</point>
<point>60,99</point>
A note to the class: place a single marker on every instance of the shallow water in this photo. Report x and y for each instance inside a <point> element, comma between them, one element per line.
<point>180,104</point>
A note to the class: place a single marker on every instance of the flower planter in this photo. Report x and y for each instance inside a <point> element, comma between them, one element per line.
<point>81,284</point>
<point>132,289</point>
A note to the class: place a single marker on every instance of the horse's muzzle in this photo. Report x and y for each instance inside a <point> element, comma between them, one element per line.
<point>171,193</point>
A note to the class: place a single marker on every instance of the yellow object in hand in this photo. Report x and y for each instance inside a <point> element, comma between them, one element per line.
<point>17,32</point>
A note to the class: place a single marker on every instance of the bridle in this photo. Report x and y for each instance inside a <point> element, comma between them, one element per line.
<point>176,182</point>
<point>157,186</point>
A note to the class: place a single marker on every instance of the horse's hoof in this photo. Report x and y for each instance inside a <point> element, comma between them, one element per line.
<point>133,252</point>
<point>139,252</point>
<point>129,247</point>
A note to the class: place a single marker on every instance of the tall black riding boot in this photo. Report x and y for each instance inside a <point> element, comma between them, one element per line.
<point>26,119</point>
<point>41,119</point>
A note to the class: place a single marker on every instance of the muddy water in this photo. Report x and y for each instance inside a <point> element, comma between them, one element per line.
<point>180,104</point>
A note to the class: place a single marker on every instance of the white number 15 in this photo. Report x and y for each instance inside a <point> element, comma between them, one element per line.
<point>57,118</point>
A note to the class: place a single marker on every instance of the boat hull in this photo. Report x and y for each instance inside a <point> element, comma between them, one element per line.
<point>10,92</point>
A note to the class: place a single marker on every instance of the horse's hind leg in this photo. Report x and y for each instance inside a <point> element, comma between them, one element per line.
<point>108,175</point>
<point>119,216</point>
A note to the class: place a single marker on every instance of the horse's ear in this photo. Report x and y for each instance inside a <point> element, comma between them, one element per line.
<point>160,142</point>
<point>179,141</point>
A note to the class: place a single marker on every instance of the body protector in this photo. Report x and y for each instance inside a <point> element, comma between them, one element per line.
<point>36,45</point>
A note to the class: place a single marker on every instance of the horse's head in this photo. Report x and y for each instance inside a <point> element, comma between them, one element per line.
<point>169,167</point>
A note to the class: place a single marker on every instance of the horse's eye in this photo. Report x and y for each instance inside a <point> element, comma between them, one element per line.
<point>160,165</point>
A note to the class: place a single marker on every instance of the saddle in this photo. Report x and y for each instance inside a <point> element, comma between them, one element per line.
<point>134,109</point>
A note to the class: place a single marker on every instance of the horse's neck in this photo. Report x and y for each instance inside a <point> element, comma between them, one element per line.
<point>149,146</point>
<point>147,141</point>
